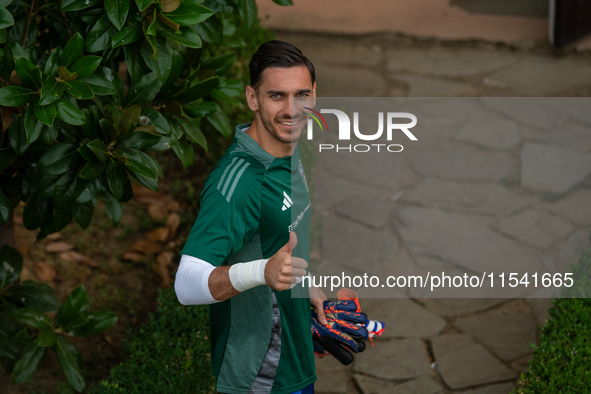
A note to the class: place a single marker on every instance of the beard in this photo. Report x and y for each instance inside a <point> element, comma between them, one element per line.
<point>271,127</point>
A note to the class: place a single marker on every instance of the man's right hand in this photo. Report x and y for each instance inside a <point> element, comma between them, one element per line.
<point>282,269</point>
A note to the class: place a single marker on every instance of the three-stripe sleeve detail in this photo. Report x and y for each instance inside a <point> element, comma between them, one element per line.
<point>226,171</point>
<point>236,181</point>
<point>236,165</point>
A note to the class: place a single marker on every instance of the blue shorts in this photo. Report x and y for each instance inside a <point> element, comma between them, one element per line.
<point>306,390</point>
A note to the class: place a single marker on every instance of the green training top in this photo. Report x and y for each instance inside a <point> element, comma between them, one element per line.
<point>261,340</point>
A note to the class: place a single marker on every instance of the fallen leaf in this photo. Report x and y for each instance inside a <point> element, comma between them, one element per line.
<point>164,258</point>
<point>75,257</point>
<point>57,247</point>
<point>53,237</point>
<point>44,271</point>
<point>172,206</point>
<point>133,256</point>
<point>146,247</point>
<point>159,234</point>
<point>157,211</point>
<point>162,271</point>
<point>172,223</point>
<point>17,219</point>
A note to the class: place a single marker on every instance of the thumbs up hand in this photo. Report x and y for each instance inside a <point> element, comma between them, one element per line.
<point>282,269</point>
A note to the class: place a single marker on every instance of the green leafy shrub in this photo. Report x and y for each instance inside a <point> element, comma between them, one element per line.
<point>26,331</point>
<point>561,363</point>
<point>88,88</point>
<point>168,355</point>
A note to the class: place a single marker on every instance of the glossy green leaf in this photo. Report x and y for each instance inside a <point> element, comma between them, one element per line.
<point>72,51</point>
<point>144,91</point>
<point>5,207</point>
<point>210,30</point>
<point>52,90</point>
<point>49,134</point>
<point>112,76</point>
<point>46,338</point>
<point>28,362</point>
<point>162,65</point>
<point>18,50</point>
<point>60,158</point>
<point>193,132</point>
<point>34,212</point>
<point>80,90</point>
<point>135,63</point>
<point>99,85</point>
<point>11,265</point>
<point>32,317</point>
<point>140,163</point>
<point>34,294</point>
<point>17,135</point>
<point>13,96</point>
<point>92,169</point>
<point>3,36</point>
<point>220,64</point>
<point>140,140</point>
<point>55,186</point>
<point>97,323</point>
<point>150,25</point>
<point>129,116</point>
<point>248,12</point>
<point>220,121</point>
<point>45,113</point>
<point>69,113</point>
<point>117,11</point>
<point>53,62</point>
<point>200,109</point>
<point>85,66</point>
<point>143,4</point>
<point>113,208</point>
<point>116,177</point>
<point>184,36</point>
<point>90,191</point>
<point>28,73</point>
<point>151,117</point>
<point>32,125</point>
<point>149,183</point>
<point>6,19</point>
<point>83,213</point>
<point>128,35</point>
<point>99,148</point>
<point>6,64</point>
<point>198,90</point>
<point>189,13</point>
<point>283,2</point>
<point>184,151</point>
<point>99,38</point>
<point>65,74</point>
<point>69,364</point>
<point>175,71</point>
<point>76,5</point>
<point>76,303</point>
<point>90,17</point>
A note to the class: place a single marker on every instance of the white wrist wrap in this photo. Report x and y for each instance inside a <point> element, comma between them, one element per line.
<point>244,276</point>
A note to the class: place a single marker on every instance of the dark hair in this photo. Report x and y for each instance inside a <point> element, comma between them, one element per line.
<point>279,54</point>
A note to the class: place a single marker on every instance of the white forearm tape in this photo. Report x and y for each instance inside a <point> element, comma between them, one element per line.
<point>244,276</point>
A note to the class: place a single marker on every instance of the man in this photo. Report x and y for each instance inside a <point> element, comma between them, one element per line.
<point>244,252</point>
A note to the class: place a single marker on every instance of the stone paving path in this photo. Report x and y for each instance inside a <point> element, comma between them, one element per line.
<point>512,202</point>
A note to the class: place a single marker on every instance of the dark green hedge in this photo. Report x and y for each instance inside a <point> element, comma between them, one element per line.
<point>562,361</point>
<point>168,355</point>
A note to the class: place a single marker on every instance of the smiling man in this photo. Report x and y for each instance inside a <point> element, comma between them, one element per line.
<point>244,253</point>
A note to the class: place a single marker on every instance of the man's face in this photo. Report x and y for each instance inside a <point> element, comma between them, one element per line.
<point>274,100</point>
